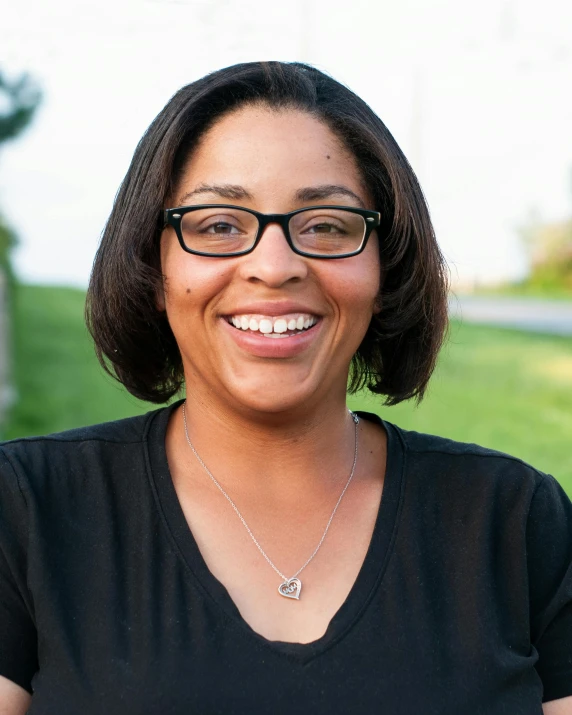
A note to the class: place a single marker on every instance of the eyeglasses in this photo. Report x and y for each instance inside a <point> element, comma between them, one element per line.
<point>220,230</point>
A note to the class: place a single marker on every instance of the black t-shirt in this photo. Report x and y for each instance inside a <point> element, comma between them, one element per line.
<point>463,604</point>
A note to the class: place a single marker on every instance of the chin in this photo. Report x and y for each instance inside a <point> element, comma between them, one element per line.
<point>274,396</point>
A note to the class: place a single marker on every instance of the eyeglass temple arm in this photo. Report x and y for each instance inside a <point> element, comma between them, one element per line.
<point>165,217</point>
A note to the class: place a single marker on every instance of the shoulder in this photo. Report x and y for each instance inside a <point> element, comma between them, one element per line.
<point>463,472</point>
<point>129,429</point>
<point>499,493</point>
<point>471,460</point>
<point>32,460</point>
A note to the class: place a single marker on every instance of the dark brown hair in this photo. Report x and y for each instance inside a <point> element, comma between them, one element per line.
<point>133,339</point>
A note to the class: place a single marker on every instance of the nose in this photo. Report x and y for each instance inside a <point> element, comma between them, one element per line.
<point>273,262</point>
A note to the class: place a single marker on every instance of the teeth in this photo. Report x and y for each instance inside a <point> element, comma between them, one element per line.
<point>273,327</point>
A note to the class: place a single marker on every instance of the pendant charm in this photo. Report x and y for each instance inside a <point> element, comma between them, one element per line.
<point>290,588</point>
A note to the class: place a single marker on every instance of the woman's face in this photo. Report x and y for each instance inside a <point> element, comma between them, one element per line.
<point>272,161</point>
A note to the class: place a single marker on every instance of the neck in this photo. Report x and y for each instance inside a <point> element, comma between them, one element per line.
<point>281,456</point>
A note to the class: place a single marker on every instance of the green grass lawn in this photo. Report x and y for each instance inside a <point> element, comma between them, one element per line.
<point>59,381</point>
<point>504,389</point>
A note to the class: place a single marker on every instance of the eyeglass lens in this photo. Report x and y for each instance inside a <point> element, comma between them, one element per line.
<point>327,232</point>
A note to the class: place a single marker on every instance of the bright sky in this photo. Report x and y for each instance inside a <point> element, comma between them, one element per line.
<point>477,94</point>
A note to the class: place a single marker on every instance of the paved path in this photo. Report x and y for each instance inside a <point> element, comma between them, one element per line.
<point>543,316</point>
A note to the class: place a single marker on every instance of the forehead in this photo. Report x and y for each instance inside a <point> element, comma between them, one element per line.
<point>271,152</point>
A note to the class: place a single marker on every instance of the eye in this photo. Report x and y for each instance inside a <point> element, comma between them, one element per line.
<point>222,228</point>
<point>218,229</point>
<point>209,222</point>
<point>325,227</point>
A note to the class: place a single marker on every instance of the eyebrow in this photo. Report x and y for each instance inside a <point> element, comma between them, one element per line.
<point>225,191</point>
<point>309,193</point>
<point>319,193</point>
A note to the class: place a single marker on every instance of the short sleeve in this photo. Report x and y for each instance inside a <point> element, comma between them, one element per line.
<point>549,555</point>
<point>18,638</point>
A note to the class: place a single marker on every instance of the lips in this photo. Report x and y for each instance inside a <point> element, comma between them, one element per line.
<point>287,344</point>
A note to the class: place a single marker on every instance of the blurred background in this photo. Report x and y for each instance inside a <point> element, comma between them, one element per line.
<point>478,97</point>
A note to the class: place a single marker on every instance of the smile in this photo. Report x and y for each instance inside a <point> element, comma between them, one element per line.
<point>281,326</point>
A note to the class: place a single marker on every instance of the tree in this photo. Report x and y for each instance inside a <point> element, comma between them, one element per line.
<point>19,100</point>
<point>551,257</point>
<point>549,250</point>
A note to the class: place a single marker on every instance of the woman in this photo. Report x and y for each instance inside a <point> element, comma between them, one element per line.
<point>257,547</point>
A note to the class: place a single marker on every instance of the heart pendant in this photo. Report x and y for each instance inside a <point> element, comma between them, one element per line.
<point>290,588</point>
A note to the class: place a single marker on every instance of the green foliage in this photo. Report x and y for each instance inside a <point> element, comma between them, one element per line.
<point>22,97</point>
<point>549,248</point>
<point>19,100</point>
<point>507,390</point>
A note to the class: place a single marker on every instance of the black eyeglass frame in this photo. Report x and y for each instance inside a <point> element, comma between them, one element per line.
<point>173,217</point>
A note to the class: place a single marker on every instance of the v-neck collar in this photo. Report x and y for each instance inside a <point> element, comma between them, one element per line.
<point>369,576</point>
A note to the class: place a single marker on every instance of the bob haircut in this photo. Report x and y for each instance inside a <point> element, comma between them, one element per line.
<point>133,339</point>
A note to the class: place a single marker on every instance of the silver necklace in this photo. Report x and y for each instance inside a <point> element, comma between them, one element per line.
<point>290,587</point>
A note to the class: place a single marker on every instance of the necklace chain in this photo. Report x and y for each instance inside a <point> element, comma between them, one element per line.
<point>233,505</point>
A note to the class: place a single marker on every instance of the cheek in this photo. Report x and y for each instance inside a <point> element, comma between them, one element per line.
<point>357,285</point>
<point>358,290</point>
<point>373,276</point>
<point>190,282</point>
